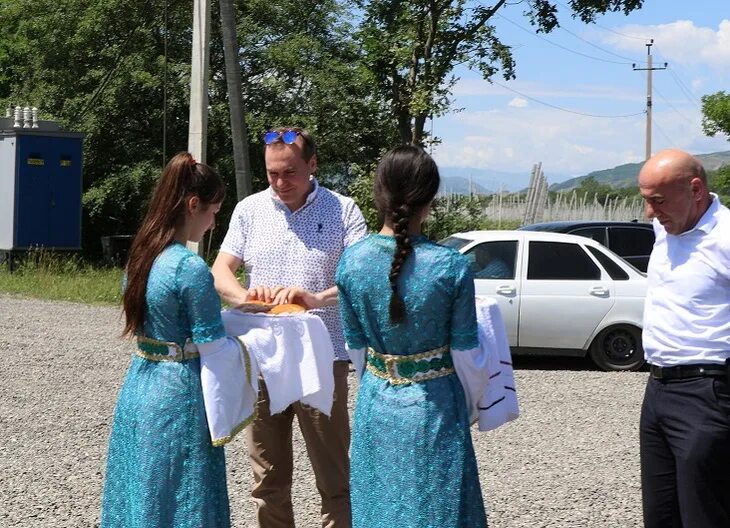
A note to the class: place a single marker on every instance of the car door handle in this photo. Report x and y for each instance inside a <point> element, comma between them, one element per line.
<point>506,290</point>
<point>599,291</point>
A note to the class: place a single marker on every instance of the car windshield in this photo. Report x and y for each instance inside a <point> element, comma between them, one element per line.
<point>454,242</point>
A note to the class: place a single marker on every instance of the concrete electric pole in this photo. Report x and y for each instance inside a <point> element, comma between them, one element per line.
<point>649,68</point>
<point>199,72</point>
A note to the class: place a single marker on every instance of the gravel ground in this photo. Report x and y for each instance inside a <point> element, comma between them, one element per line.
<point>570,460</point>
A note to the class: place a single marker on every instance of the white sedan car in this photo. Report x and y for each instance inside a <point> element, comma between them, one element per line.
<point>560,294</point>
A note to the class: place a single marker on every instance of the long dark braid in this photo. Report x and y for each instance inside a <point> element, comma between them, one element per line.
<point>407,180</point>
<point>401,217</point>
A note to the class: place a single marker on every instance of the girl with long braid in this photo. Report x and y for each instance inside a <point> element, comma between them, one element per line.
<point>163,470</point>
<point>409,319</point>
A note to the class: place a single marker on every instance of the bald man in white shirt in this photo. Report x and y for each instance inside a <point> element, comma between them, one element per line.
<point>685,417</point>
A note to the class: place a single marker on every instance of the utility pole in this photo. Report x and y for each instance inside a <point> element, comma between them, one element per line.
<point>648,70</point>
<point>199,72</point>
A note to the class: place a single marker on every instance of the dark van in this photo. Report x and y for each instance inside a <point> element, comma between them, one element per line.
<point>631,240</point>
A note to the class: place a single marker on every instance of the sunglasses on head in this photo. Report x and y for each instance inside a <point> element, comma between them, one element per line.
<point>287,136</point>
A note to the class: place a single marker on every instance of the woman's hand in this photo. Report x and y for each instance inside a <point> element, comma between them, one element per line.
<point>297,295</point>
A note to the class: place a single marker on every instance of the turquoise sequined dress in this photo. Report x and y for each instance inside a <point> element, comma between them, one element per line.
<point>412,459</point>
<point>162,470</point>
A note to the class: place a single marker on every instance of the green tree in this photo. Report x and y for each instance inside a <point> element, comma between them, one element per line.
<point>592,187</point>
<point>719,182</point>
<point>98,67</point>
<point>454,214</point>
<point>361,190</point>
<point>413,47</point>
<point>716,113</point>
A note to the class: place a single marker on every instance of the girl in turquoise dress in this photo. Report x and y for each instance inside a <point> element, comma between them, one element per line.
<point>162,469</point>
<point>409,318</point>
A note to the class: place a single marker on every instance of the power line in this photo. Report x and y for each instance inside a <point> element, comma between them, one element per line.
<point>670,105</point>
<point>559,45</point>
<point>561,108</point>
<point>673,71</point>
<point>643,39</point>
<point>661,130</point>
<point>597,46</point>
<point>687,93</point>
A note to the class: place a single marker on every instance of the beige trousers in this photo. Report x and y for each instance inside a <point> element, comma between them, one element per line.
<point>269,441</point>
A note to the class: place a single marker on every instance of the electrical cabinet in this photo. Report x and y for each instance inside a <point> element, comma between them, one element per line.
<point>40,188</point>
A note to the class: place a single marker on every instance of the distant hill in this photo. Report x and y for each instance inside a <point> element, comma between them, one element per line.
<point>487,180</point>
<point>459,185</point>
<point>625,175</point>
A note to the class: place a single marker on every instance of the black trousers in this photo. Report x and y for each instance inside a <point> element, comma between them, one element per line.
<point>685,453</point>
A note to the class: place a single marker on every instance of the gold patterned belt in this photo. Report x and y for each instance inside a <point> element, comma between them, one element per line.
<point>414,368</point>
<point>154,350</point>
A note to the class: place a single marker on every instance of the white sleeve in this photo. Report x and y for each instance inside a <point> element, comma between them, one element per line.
<point>498,404</point>
<point>472,367</point>
<point>234,243</point>
<point>355,227</point>
<point>358,357</point>
<point>229,379</point>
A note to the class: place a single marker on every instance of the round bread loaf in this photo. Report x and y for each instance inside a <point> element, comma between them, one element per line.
<point>287,308</point>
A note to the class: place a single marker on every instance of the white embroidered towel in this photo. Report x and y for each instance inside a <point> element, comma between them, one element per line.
<point>293,353</point>
<point>499,404</point>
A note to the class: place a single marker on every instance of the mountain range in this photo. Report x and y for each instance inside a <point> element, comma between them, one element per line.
<point>485,181</point>
<point>625,175</point>
<point>459,180</point>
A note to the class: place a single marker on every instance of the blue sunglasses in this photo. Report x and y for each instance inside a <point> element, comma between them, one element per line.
<point>287,136</point>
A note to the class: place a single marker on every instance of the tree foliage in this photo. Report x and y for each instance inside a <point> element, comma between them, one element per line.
<point>716,113</point>
<point>719,182</point>
<point>412,48</point>
<point>362,81</point>
<point>98,67</point>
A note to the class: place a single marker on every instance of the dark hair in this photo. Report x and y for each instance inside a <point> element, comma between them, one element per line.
<point>407,180</point>
<point>182,178</point>
<point>310,147</point>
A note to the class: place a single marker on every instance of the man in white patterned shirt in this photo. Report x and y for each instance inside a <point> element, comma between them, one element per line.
<point>290,237</point>
<point>685,418</point>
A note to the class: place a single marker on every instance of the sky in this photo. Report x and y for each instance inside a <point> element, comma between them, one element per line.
<point>505,128</point>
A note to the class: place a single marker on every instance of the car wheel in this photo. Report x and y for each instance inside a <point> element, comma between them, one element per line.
<point>618,348</point>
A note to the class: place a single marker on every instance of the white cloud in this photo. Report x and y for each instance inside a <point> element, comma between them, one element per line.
<point>681,41</point>
<point>518,102</point>
<point>506,126</point>
<point>513,139</point>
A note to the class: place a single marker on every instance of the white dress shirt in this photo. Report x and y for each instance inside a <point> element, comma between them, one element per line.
<point>687,307</point>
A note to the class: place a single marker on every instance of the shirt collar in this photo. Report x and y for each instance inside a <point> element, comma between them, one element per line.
<point>708,220</point>
<point>310,197</point>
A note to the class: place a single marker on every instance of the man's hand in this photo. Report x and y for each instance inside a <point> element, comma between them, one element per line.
<point>226,283</point>
<point>297,295</point>
<point>266,294</point>
<point>309,300</point>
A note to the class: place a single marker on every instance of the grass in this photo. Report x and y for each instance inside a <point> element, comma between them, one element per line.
<point>45,275</point>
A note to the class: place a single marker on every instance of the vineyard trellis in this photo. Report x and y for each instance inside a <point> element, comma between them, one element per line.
<point>538,205</point>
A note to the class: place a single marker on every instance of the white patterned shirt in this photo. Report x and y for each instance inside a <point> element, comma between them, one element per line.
<point>279,247</point>
<point>687,307</point>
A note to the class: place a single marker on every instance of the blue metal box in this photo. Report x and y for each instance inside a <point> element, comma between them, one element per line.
<point>40,188</point>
